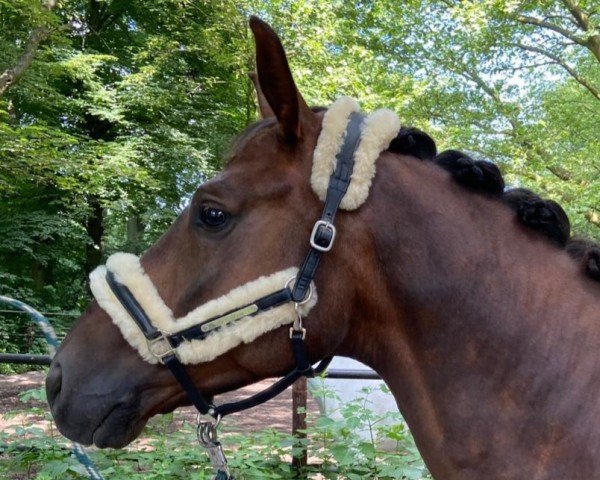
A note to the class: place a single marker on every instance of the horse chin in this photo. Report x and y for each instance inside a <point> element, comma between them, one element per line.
<point>116,429</point>
<point>119,428</point>
<point>123,424</point>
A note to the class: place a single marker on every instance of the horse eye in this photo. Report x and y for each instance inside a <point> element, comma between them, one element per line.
<point>212,217</point>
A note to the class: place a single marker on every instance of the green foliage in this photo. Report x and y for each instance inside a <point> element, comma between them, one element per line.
<point>345,454</point>
<point>334,450</point>
<point>128,106</point>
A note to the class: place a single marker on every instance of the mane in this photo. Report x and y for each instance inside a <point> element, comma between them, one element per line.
<point>544,216</point>
<point>415,142</point>
<point>587,253</point>
<point>478,175</point>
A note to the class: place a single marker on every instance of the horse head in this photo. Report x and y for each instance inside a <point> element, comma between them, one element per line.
<point>243,230</point>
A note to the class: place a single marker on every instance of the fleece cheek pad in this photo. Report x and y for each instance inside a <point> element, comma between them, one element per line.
<point>129,272</point>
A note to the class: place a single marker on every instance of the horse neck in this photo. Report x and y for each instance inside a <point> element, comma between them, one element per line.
<point>472,320</point>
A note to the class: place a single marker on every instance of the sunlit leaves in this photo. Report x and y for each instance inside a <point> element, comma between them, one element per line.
<point>132,103</point>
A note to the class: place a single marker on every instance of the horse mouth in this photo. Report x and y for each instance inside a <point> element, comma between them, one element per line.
<point>119,427</point>
<point>124,422</point>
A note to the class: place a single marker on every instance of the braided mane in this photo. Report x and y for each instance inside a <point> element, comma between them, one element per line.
<point>544,216</point>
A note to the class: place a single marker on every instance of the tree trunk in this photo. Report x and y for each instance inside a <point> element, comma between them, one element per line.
<point>95,230</point>
<point>12,75</point>
<point>135,230</point>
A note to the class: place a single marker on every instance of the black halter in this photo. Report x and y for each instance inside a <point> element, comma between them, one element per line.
<point>163,346</point>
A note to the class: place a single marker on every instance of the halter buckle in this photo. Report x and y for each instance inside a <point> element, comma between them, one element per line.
<point>160,347</point>
<point>322,236</point>
<point>294,330</point>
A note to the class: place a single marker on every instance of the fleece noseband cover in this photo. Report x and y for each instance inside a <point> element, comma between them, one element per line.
<point>377,132</point>
<point>128,271</point>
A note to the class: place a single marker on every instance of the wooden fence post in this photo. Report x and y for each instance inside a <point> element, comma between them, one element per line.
<point>299,396</point>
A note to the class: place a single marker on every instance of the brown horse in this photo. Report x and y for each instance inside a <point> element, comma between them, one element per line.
<point>487,334</point>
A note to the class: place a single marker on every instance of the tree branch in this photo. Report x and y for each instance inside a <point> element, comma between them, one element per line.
<point>551,26</point>
<point>580,16</point>
<point>474,77</point>
<point>582,81</point>
<point>583,20</point>
<point>559,172</point>
<point>12,75</point>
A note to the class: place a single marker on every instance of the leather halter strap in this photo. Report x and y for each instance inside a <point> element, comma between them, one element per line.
<point>323,234</point>
<point>163,345</point>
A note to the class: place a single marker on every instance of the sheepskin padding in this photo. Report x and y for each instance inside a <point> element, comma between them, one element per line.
<point>129,272</point>
<point>378,130</point>
<point>329,143</point>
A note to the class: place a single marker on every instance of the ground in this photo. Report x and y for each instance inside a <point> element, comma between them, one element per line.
<point>275,414</point>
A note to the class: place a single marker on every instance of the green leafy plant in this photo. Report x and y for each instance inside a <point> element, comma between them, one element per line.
<point>334,449</point>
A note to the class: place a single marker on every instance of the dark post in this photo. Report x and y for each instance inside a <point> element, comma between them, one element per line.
<point>299,396</point>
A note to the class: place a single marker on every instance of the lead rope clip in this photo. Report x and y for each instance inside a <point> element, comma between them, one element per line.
<point>207,437</point>
<point>297,325</point>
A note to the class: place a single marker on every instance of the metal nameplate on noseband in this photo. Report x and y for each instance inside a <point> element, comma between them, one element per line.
<point>230,317</point>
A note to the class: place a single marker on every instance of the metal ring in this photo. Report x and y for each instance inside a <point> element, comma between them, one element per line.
<point>308,296</point>
<point>207,431</point>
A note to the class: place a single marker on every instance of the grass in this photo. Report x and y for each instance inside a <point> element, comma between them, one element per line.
<point>335,450</point>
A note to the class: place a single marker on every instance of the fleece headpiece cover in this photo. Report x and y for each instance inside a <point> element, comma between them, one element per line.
<point>378,130</point>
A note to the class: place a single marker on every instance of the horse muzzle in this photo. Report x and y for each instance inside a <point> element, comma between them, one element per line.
<point>96,398</point>
<point>105,420</point>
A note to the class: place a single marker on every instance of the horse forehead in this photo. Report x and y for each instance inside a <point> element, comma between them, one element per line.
<point>261,142</point>
<point>246,180</point>
<point>258,138</point>
<point>266,162</point>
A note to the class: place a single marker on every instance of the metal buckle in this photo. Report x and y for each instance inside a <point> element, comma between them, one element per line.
<point>297,325</point>
<point>328,226</point>
<point>160,347</point>
<point>303,330</point>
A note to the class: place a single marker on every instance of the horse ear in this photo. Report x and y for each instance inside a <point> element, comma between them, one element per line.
<point>263,105</point>
<point>276,81</point>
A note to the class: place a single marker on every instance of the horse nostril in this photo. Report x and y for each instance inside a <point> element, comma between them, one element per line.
<point>53,382</point>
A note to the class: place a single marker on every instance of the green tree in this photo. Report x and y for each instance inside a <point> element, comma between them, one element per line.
<point>113,111</point>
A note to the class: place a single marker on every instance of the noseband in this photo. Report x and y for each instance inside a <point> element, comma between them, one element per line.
<point>166,347</point>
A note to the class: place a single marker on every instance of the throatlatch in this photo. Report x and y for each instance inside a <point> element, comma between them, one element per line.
<point>343,168</point>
